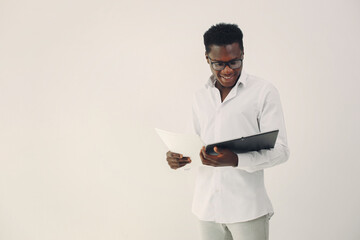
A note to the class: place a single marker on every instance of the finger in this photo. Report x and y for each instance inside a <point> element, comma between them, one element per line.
<point>203,160</point>
<point>218,150</point>
<point>172,161</point>
<point>176,164</point>
<point>208,156</point>
<point>168,154</point>
<point>184,160</point>
<point>178,160</point>
<point>176,155</point>
<point>207,150</point>
<point>183,164</point>
<point>201,156</point>
<point>173,165</point>
<point>207,161</point>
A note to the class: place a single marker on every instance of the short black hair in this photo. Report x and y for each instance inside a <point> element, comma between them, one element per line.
<point>223,34</point>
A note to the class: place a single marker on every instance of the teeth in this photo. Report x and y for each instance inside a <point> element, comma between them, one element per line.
<point>226,77</point>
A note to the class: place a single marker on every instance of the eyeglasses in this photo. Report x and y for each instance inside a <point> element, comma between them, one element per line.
<point>233,64</point>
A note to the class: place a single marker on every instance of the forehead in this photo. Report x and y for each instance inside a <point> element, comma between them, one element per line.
<point>225,53</point>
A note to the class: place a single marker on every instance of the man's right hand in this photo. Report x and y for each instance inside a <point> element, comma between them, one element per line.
<point>176,160</point>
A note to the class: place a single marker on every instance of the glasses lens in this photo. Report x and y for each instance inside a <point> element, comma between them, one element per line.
<point>235,64</point>
<point>218,66</point>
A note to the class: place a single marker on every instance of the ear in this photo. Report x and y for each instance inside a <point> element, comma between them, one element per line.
<point>207,58</point>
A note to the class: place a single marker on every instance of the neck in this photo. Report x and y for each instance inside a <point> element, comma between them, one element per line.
<point>224,91</point>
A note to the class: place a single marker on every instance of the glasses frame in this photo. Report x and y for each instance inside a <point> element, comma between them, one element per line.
<point>225,63</point>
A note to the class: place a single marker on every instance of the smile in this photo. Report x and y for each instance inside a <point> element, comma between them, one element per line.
<point>227,77</point>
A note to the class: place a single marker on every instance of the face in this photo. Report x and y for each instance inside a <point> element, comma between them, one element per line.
<point>227,77</point>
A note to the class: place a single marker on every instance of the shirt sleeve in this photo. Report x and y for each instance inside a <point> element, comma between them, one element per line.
<point>270,118</point>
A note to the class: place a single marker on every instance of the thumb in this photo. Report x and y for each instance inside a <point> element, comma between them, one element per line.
<point>218,150</point>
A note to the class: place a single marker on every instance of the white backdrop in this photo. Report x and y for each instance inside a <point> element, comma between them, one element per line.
<point>83,84</point>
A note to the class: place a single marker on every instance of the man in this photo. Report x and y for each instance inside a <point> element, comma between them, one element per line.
<point>230,197</point>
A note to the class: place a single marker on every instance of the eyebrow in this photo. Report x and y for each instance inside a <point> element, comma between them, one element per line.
<point>213,60</point>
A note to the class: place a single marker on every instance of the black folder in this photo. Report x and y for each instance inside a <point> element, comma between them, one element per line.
<point>255,142</point>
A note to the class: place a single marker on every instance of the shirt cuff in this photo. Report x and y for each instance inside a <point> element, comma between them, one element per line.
<point>244,160</point>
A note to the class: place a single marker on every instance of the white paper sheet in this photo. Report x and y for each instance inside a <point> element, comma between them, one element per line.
<point>189,145</point>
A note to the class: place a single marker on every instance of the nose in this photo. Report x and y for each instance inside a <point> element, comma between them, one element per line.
<point>227,70</point>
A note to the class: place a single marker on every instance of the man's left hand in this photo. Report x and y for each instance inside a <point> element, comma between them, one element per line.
<point>224,157</point>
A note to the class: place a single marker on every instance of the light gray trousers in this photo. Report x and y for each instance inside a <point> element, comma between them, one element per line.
<point>257,229</point>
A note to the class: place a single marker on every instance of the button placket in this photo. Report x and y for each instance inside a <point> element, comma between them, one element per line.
<point>217,123</point>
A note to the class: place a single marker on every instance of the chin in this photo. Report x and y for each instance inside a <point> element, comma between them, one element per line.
<point>227,84</point>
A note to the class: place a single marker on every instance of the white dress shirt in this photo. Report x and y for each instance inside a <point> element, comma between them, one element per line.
<point>237,194</point>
